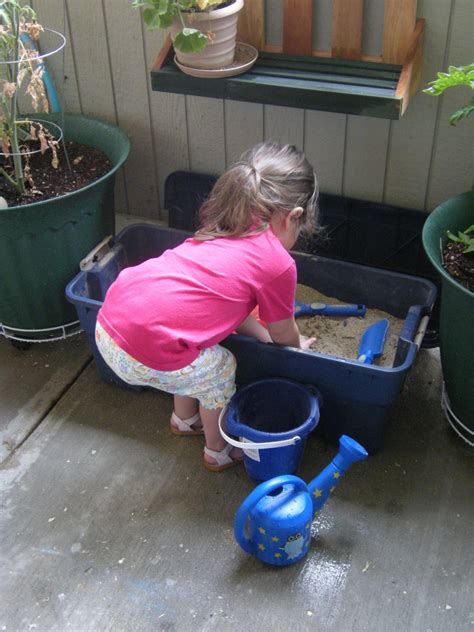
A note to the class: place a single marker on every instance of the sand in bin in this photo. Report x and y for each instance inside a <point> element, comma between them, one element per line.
<point>340,335</point>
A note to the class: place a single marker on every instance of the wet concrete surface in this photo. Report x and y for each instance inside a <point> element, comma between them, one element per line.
<point>110,522</point>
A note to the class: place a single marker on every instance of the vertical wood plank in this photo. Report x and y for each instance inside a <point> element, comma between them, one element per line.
<point>284,125</point>
<point>168,117</point>
<point>61,65</point>
<point>298,27</point>
<point>206,134</point>
<point>94,77</point>
<point>412,137</point>
<point>452,168</point>
<point>89,41</point>
<point>250,27</point>
<point>273,19</point>
<point>324,147</point>
<point>398,26</point>
<point>365,158</point>
<point>347,17</point>
<point>129,74</point>
<point>372,30</point>
<point>243,128</point>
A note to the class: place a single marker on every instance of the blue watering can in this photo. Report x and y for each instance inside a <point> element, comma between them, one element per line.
<point>274,521</point>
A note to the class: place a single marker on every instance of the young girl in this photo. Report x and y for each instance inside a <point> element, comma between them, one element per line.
<point>162,321</point>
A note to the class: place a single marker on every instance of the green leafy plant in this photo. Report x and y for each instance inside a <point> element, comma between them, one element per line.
<point>19,69</point>
<point>455,77</point>
<point>160,14</point>
<point>465,238</point>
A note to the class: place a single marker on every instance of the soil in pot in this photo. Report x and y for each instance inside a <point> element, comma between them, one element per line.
<point>86,164</point>
<point>458,264</point>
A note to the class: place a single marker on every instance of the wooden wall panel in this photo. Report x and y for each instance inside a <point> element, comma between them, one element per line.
<point>61,67</point>
<point>399,23</point>
<point>411,138</point>
<point>365,157</point>
<point>243,128</point>
<point>129,77</point>
<point>415,162</point>
<point>284,125</point>
<point>251,24</point>
<point>205,121</point>
<point>322,18</point>
<point>168,121</point>
<point>324,147</point>
<point>452,168</point>
<point>274,22</point>
<point>347,16</point>
<point>373,28</point>
<point>94,77</point>
<point>297,30</point>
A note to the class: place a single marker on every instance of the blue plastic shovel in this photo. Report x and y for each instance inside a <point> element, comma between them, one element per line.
<point>313,309</point>
<point>372,342</point>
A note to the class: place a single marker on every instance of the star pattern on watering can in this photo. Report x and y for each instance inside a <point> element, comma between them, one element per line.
<point>262,530</point>
<point>261,547</point>
<point>317,493</point>
<point>275,539</point>
<point>336,475</point>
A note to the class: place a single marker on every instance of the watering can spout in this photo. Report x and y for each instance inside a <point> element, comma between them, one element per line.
<point>324,484</point>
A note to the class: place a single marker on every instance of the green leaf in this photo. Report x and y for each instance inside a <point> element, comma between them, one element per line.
<point>462,113</point>
<point>452,236</point>
<point>464,238</point>
<point>190,41</point>
<point>152,19</point>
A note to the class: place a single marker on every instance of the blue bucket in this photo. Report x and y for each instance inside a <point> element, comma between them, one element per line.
<point>272,419</point>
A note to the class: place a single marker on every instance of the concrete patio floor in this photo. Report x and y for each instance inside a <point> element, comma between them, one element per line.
<point>110,522</point>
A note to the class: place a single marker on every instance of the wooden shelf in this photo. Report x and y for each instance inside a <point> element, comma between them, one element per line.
<point>297,81</point>
<point>298,77</point>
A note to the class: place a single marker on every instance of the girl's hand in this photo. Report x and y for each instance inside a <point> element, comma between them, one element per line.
<point>306,343</point>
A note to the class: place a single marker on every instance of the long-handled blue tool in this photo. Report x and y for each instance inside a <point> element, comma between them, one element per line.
<point>313,309</point>
<point>372,342</point>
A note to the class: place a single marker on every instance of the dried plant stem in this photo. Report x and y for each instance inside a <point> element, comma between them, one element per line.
<point>20,180</point>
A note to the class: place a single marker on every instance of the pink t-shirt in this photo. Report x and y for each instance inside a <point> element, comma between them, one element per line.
<point>165,310</point>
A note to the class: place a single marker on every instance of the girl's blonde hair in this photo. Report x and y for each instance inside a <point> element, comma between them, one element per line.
<point>268,179</point>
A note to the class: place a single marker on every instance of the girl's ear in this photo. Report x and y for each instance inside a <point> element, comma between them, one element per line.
<point>294,214</point>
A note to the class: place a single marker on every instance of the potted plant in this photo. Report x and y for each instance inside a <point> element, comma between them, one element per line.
<point>203,31</point>
<point>448,238</point>
<point>57,176</point>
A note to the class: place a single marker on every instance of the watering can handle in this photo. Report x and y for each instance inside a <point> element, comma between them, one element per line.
<point>252,499</point>
<point>254,446</point>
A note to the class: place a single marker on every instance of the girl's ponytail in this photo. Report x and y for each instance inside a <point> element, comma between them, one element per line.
<point>268,179</point>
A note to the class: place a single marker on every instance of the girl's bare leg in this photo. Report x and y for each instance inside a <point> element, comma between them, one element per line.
<point>214,439</point>
<point>185,407</point>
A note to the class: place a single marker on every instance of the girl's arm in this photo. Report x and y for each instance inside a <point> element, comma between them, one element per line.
<point>251,327</point>
<point>286,332</point>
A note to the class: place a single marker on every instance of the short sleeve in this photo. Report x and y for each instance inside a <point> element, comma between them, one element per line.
<point>276,298</point>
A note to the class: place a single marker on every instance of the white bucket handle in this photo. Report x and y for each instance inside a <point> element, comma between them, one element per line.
<point>245,445</point>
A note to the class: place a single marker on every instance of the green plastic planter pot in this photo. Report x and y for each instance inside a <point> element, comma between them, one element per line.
<point>457,316</point>
<point>41,244</point>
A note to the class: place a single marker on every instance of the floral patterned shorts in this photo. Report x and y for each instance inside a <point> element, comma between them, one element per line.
<point>210,378</point>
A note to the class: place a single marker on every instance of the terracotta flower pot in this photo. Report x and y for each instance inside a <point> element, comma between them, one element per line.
<point>220,50</point>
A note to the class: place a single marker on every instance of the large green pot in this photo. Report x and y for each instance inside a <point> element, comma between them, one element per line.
<point>457,316</point>
<point>41,244</point>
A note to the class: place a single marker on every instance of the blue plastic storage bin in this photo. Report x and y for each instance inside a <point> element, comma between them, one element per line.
<point>356,398</point>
